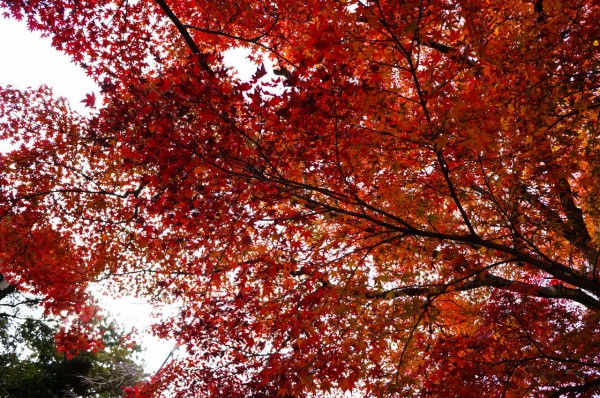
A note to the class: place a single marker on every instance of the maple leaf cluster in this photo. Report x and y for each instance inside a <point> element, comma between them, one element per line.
<point>404,204</point>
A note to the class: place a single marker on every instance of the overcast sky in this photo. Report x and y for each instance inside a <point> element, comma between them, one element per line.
<point>29,61</point>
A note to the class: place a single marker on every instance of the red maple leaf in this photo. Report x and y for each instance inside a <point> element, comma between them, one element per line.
<point>89,100</point>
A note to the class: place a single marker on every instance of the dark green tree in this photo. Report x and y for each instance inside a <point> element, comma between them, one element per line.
<point>31,365</point>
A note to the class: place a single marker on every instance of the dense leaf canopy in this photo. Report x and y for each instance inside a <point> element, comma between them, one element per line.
<point>402,201</point>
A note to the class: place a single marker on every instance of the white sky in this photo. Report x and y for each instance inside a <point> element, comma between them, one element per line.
<point>29,61</point>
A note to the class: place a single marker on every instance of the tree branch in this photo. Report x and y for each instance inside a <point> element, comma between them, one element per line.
<point>490,280</point>
<point>253,40</point>
<point>185,34</point>
<point>579,235</point>
<point>579,388</point>
<point>391,222</point>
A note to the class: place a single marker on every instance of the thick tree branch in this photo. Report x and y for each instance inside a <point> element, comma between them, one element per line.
<point>538,7</point>
<point>578,234</point>
<point>490,280</point>
<point>185,34</point>
<point>574,230</point>
<point>575,389</point>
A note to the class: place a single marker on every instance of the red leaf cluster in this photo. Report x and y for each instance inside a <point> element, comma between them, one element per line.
<point>406,206</point>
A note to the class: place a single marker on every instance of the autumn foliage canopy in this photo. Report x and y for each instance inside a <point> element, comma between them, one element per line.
<point>403,200</point>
